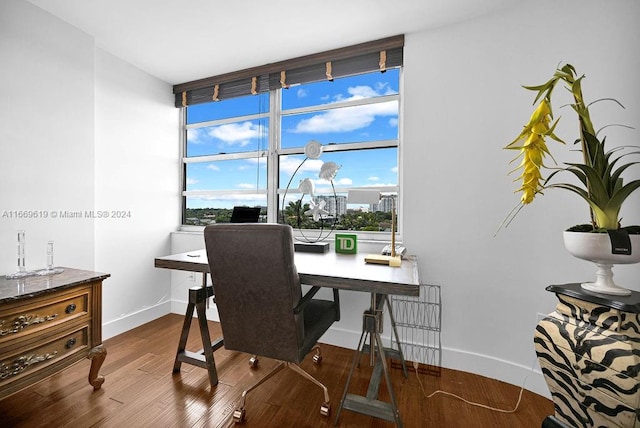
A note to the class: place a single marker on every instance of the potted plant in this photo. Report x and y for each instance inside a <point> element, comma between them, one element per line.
<point>599,181</point>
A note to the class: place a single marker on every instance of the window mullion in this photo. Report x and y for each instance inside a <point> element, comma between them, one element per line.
<point>341,104</point>
<point>274,149</point>
<point>224,156</point>
<point>234,119</point>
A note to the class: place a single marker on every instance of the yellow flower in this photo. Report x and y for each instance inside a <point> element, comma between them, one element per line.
<point>533,150</point>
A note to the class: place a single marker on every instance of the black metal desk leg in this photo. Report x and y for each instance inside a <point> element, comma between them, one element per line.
<point>206,342</point>
<point>197,300</point>
<point>188,316</point>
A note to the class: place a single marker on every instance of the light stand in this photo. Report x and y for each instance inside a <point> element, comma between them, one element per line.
<point>373,197</point>
<point>393,260</point>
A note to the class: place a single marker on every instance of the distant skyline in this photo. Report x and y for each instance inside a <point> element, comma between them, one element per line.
<point>351,124</point>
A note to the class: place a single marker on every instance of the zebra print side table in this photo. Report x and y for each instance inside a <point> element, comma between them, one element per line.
<point>589,353</point>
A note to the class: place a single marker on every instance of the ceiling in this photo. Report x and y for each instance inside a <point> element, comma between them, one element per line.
<point>183,40</point>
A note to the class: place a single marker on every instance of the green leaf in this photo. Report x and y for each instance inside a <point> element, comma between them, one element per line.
<point>622,194</point>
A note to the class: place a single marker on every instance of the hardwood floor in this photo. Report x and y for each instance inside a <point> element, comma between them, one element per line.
<point>140,390</point>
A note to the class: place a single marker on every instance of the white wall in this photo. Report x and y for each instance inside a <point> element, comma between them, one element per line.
<point>46,137</point>
<point>463,101</point>
<point>137,174</point>
<point>81,130</point>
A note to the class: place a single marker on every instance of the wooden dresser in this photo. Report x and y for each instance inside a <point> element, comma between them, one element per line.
<point>589,353</point>
<point>48,323</point>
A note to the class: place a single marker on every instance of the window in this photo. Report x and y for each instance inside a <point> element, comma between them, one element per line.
<point>249,149</point>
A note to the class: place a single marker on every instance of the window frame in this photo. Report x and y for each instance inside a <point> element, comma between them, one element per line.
<point>273,152</point>
<point>270,78</point>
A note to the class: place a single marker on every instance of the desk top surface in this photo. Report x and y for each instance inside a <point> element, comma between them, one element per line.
<point>343,271</point>
<point>35,285</point>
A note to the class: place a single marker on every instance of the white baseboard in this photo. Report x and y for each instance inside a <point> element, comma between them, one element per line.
<point>454,359</point>
<point>529,376</point>
<point>491,367</point>
<point>130,321</point>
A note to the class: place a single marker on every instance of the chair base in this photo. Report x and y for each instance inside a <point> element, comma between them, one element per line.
<point>325,408</point>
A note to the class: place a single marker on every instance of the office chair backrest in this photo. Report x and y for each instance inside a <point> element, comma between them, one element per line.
<point>256,288</point>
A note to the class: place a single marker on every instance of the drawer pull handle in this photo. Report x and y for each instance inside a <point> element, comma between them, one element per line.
<point>71,308</point>
<point>71,342</point>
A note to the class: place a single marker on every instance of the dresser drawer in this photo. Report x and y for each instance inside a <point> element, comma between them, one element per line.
<point>32,316</point>
<point>581,405</point>
<point>44,358</point>
<point>595,377</point>
<point>614,320</point>
<point>594,358</point>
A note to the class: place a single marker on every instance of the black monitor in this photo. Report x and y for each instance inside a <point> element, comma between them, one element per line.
<point>245,214</point>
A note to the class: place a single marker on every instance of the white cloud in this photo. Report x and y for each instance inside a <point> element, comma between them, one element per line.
<point>393,122</point>
<point>351,118</point>
<point>394,169</point>
<point>246,186</point>
<point>213,167</point>
<point>359,92</point>
<point>238,133</point>
<point>302,93</point>
<point>383,88</point>
<point>289,164</point>
<point>344,181</point>
<point>192,181</point>
<point>193,136</point>
<point>373,178</point>
<point>251,163</point>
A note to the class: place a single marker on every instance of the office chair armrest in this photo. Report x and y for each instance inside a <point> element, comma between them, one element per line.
<point>306,299</point>
<point>309,295</point>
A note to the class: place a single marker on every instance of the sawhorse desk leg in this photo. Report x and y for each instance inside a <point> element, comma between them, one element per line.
<point>369,404</point>
<point>197,300</point>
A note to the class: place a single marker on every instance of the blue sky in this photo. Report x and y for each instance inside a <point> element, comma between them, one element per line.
<point>349,124</point>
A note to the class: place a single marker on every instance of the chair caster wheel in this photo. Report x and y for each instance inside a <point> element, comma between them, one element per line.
<point>317,359</point>
<point>325,409</point>
<point>238,416</point>
<point>253,362</point>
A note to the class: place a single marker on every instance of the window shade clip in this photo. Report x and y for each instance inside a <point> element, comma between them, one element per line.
<point>328,72</point>
<point>216,89</point>
<point>283,80</point>
<point>383,61</point>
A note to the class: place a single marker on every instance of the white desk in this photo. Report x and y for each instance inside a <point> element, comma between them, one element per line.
<point>341,271</point>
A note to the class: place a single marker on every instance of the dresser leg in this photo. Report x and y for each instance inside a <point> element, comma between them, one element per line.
<point>97,356</point>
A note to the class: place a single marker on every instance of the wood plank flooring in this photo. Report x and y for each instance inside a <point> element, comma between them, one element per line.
<point>141,391</point>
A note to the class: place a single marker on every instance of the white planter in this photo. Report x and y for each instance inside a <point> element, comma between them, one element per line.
<point>596,248</point>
